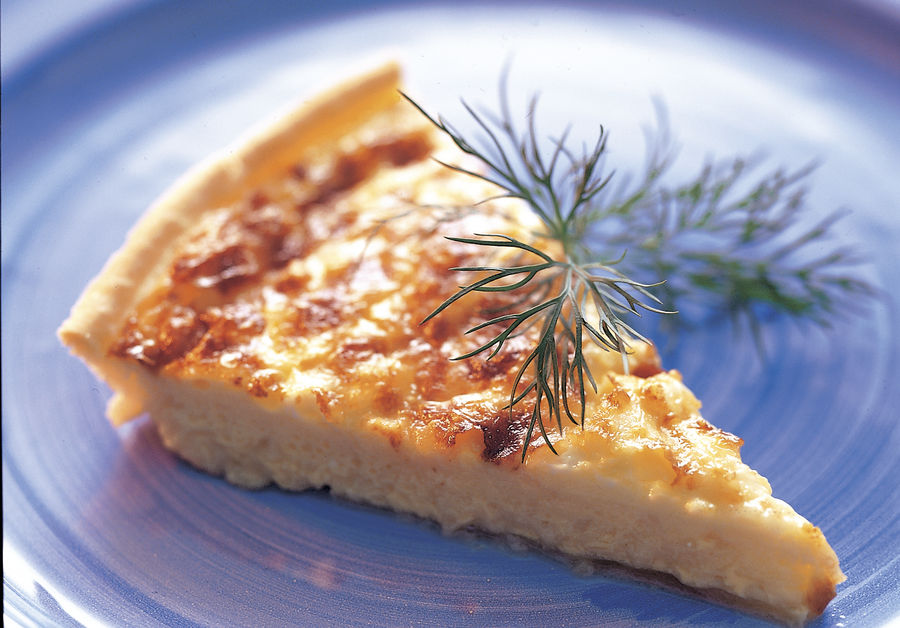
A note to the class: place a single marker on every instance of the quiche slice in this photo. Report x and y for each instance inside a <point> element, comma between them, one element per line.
<point>266,311</point>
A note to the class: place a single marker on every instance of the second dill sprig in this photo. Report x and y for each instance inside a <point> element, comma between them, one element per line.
<point>730,244</point>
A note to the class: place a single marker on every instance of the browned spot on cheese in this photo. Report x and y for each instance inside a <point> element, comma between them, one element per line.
<point>349,170</point>
<point>291,284</point>
<point>361,348</point>
<point>352,168</point>
<point>323,401</point>
<point>179,333</point>
<point>387,400</point>
<point>482,368</point>
<point>299,172</point>
<point>263,383</point>
<point>402,151</point>
<point>316,313</point>
<point>219,267</point>
<point>501,434</point>
<point>266,230</point>
<point>229,327</point>
<point>165,333</point>
<point>258,199</point>
<point>439,329</point>
<point>355,351</point>
<point>504,434</point>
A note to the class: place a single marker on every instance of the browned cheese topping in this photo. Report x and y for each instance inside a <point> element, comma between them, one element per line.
<point>311,289</point>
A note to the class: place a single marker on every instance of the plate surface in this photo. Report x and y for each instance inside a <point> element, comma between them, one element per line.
<point>105,526</point>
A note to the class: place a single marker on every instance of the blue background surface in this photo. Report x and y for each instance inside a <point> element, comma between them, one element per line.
<point>104,107</point>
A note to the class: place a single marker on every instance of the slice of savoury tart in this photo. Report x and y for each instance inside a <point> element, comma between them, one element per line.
<point>266,312</point>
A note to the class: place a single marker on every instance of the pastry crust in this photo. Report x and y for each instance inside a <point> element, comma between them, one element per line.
<point>366,404</point>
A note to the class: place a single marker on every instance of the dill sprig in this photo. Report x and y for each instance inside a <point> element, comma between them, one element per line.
<point>552,293</point>
<point>727,244</point>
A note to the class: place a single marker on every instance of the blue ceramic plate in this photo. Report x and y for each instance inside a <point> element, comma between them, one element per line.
<point>102,525</point>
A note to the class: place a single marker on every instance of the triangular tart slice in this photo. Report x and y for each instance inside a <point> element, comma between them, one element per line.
<point>266,313</point>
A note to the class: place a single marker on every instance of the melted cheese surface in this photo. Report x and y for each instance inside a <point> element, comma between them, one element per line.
<point>310,291</point>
